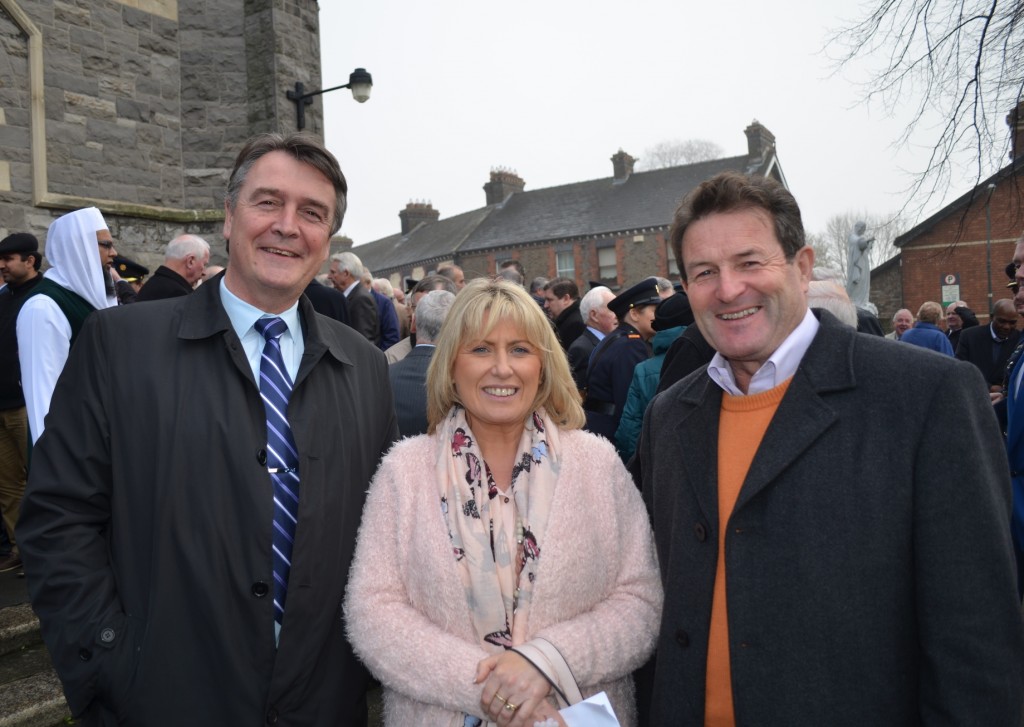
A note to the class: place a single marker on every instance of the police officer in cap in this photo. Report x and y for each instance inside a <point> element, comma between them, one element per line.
<point>19,266</point>
<point>613,360</point>
<point>128,278</point>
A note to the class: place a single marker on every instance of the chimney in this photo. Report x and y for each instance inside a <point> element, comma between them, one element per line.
<point>415,213</point>
<point>1015,120</point>
<point>504,183</point>
<point>622,166</point>
<point>759,140</point>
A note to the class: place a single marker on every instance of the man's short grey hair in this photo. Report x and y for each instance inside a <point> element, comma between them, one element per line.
<point>349,261</point>
<point>831,296</point>
<point>430,314</point>
<point>592,300</point>
<point>537,284</point>
<point>664,285</point>
<point>184,245</point>
<point>384,287</point>
<point>511,275</point>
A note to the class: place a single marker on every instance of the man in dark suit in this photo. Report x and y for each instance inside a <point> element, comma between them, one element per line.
<point>185,261</point>
<point>207,589</point>
<point>806,466</point>
<point>989,347</point>
<point>327,301</point>
<point>600,322</point>
<point>346,274</point>
<point>562,304</point>
<point>409,375</point>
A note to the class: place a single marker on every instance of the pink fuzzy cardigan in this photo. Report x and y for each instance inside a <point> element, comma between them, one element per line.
<point>597,598</point>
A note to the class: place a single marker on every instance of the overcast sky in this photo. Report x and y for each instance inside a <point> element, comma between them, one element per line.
<point>554,89</point>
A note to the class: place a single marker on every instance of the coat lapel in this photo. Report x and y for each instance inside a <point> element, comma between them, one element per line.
<point>699,403</point>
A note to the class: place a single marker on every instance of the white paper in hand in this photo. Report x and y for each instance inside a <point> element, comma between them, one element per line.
<point>593,712</point>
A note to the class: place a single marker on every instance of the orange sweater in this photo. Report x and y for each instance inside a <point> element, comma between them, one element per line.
<point>743,422</point>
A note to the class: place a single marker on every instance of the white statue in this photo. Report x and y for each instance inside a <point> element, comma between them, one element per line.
<point>858,265</point>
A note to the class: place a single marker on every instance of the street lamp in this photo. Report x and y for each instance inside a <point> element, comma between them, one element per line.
<point>359,81</point>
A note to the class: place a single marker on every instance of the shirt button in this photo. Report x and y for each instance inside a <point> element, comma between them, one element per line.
<point>107,635</point>
<point>700,531</point>
<point>271,716</point>
<point>260,589</point>
<point>261,457</point>
<point>84,654</point>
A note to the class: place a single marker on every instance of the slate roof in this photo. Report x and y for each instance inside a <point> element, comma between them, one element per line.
<point>582,209</point>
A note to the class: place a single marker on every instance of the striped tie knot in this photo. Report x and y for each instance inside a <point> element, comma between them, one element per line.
<point>270,328</point>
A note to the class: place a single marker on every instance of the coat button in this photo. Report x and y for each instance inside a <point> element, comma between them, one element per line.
<point>107,635</point>
<point>682,638</point>
<point>261,457</point>
<point>84,654</point>
<point>260,589</point>
<point>271,716</point>
<point>700,531</point>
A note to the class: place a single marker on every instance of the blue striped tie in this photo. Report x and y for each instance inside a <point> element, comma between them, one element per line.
<point>282,456</point>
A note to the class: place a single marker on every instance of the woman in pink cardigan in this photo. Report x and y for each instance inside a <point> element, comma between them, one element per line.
<point>507,552</point>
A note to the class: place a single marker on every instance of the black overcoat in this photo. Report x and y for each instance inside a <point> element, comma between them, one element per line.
<point>869,571</point>
<point>146,528</point>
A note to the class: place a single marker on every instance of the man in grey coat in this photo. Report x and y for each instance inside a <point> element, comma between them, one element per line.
<point>824,561</point>
<point>150,543</point>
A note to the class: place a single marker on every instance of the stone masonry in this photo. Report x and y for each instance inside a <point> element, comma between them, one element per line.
<point>139,107</point>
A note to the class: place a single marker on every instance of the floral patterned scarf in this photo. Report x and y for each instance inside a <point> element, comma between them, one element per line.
<point>498,584</point>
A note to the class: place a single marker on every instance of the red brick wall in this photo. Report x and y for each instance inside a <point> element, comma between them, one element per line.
<point>956,245</point>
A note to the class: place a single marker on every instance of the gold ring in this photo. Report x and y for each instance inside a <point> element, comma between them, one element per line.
<point>511,707</point>
<point>500,698</point>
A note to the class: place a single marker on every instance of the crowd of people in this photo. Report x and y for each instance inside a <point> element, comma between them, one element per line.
<point>727,501</point>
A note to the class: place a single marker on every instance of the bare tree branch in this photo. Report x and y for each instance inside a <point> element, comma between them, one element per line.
<point>962,60</point>
<point>675,152</point>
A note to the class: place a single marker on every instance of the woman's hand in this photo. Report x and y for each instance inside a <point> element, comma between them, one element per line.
<point>514,693</point>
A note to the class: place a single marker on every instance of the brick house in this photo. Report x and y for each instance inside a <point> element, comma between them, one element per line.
<point>953,254</point>
<point>613,230</point>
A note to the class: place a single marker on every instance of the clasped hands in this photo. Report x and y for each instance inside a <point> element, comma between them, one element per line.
<point>515,693</point>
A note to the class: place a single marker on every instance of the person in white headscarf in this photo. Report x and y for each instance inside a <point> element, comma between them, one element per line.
<point>80,250</point>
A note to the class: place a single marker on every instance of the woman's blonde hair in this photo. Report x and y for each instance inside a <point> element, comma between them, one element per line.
<point>477,309</point>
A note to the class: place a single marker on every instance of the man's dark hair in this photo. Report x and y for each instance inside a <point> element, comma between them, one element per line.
<point>433,282</point>
<point>37,259</point>
<point>513,264</point>
<point>305,148</point>
<point>734,192</point>
<point>561,287</point>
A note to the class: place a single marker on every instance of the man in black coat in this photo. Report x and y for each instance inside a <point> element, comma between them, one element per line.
<point>409,375</point>
<point>19,268</point>
<point>185,261</point>
<point>346,274</point>
<point>562,303</point>
<point>149,542</point>
<point>989,347</point>
<point>600,322</point>
<point>809,525</point>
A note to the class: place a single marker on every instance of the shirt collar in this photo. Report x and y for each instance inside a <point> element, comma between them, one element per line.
<point>600,334</point>
<point>781,365</point>
<point>351,286</point>
<point>243,315</point>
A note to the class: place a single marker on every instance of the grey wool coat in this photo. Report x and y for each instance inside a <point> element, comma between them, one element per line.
<point>146,527</point>
<point>868,563</point>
